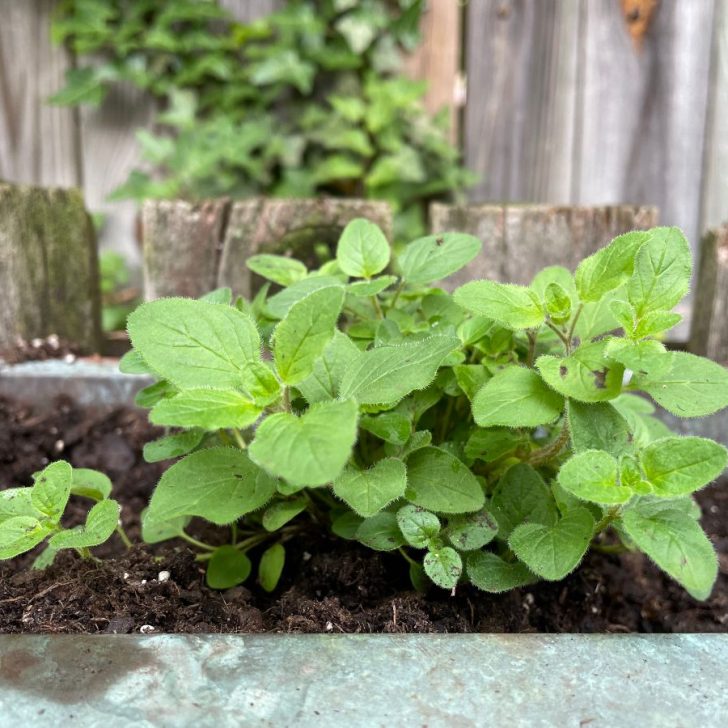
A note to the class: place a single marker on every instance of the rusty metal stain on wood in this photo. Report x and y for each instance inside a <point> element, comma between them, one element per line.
<point>638,17</point>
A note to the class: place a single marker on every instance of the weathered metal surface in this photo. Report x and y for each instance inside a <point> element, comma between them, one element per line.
<point>89,382</point>
<point>363,680</point>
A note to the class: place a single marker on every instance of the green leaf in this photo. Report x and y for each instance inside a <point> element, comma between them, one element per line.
<point>156,531</point>
<point>592,476</point>
<point>662,271</point>
<point>149,396</point>
<point>369,491</point>
<point>587,375</point>
<point>308,450</point>
<point>393,427</point>
<point>219,484</point>
<point>647,357</point>
<point>371,288</point>
<point>20,534</point>
<point>418,440</point>
<point>172,446</point>
<point>558,303</point>
<point>281,512</point>
<point>17,502</point>
<point>261,384</point>
<point>271,565</point>
<point>444,566</point>
<point>491,574</point>
<point>552,552</point>
<point>388,373</point>
<point>438,481</point>
<point>677,466</point>
<point>52,489</point>
<point>380,532</point>
<point>418,526</point>
<point>193,343</point>
<point>437,256</point>
<point>489,445</point>
<point>329,369</point>
<point>90,484</point>
<point>690,387</point>
<point>598,426</point>
<point>132,363</point>
<point>515,307</point>
<point>227,568</point>
<point>521,496</point>
<point>516,397</point>
<point>676,543</point>
<point>472,531</point>
<point>277,306</point>
<point>656,322</point>
<point>100,523</point>
<point>609,267</point>
<point>219,295</point>
<point>301,336</point>
<point>208,409</point>
<point>277,268</point>
<point>346,525</point>
<point>363,250</point>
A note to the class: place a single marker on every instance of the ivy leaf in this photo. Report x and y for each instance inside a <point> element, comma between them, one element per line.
<point>90,484</point>
<point>515,307</point>
<point>444,566</point>
<point>52,489</point>
<point>662,271</point>
<point>193,343</point>
<point>598,426</point>
<point>438,481</point>
<point>301,336</point>
<point>271,565</point>
<point>277,268</point>
<point>219,484</point>
<point>418,526</point>
<point>363,250</point>
<point>281,512</point>
<point>516,397</point>
<point>437,256</point>
<point>208,409</point>
<point>324,382</point>
<point>609,267</point>
<point>172,446</point>
<point>587,375</point>
<point>592,476</point>
<point>100,523</point>
<point>472,531</point>
<point>19,534</point>
<point>676,543</point>
<point>227,568</point>
<point>521,496</point>
<point>690,387</point>
<point>677,466</point>
<point>491,574</point>
<point>554,551</point>
<point>369,491</point>
<point>380,532</point>
<point>308,450</point>
<point>388,373</point>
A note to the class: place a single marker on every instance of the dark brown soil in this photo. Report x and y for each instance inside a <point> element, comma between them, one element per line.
<point>328,585</point>
<point>52,347</point>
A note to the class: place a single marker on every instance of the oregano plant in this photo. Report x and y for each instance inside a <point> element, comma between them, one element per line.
<point>489,436</point>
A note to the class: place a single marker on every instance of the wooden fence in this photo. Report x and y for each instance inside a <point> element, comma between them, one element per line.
<point>568,102</point>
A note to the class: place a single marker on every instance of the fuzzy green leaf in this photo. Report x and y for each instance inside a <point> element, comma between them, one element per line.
<point>219,484</point>
<point>227,568</point>
<point>277,268</point>
<point>90,484</point>
<point>388,373</point>
<point>329,369</point>
<point>598,426</point>
<point>380,532</point>
<point>100,523</point>
<point>676,543</point>
<point>278,305</point>
<point>281,512</point>
<point>489,445</point>
<point>552,552</point>
<point>308,450</point>
<point>52,489</point>
<point>132,363</point>
<point>393,427</point>
<point>271,565</point>
<point>17,502</point>
<point>363,250</point>
<point>489,573</point>
<point>20,534</point>
<point>368,491</point>
<point>516,307</point>
<point>516,397</point>
<point>438,481</point>
<point>471,531</point>
<point>592,476</point>
<point>193,343</point>
<point>301,336</point>
<point>444,566</point>
<point>172,446</point>
<point>437,256</point>
<point>418,526</point>
<point>371,288</point>
<point>208,409</point>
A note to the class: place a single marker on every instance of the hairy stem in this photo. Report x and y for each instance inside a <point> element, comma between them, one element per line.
<point>194,542</point>
<point>532,336</point>
<point>575,320</point>
<point>240,441</point>
<point>122,535</point>
<point>537,457</point>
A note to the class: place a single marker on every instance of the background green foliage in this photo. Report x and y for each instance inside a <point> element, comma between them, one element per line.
<point>303,102</point>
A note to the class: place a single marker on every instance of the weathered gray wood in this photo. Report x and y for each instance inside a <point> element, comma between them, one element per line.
<point>522,72</point>
<point>709,331</point>
<point>291,227</point>
<point>48,267</point>
<point>38,142</point>
<point>519,240</point>
<point>182,245</point>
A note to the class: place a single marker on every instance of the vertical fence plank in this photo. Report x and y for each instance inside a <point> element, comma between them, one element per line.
<point>38,142</point>
<point>521,62</point>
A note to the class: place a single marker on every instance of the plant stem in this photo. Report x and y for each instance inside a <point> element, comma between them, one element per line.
<point>377,307</point>
<point>611,515</point>
<point>561,336</point>
<point>122,535</point>
<point>537,457</point>
<point>396,294</point>
<point>238,437</point>
<point>532,336</point>
<point>407,557</point>
<point>286,399</point>
<point>573,324</point>
<point>199,544</point>
<point>446,418</point>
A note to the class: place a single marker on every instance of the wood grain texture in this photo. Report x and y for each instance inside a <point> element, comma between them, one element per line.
<point>709,331</point>
<point>38,142</point>
<point>437,58</point>
<point>520,240</point>
<point>48,266</point>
